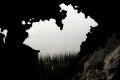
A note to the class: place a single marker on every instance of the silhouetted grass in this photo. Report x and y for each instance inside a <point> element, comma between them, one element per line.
<point>53,67</point>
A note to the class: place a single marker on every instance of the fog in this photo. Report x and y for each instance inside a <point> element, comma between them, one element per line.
<point>47,37</point>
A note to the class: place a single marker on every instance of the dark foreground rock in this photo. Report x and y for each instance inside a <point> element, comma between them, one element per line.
<point>103,64</point>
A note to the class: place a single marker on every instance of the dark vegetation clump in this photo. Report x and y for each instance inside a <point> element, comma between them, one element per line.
<point>53,68</point>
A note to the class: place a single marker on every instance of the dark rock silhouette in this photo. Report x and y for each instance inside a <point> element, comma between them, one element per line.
<point>19,61</point>
<point>103,63</point>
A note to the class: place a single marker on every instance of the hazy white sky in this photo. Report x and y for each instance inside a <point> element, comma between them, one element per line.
<point>47,37</point>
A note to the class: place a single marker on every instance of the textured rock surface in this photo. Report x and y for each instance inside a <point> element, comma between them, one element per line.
<point>103,63</point>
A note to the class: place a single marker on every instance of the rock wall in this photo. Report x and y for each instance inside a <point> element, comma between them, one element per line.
<point>103,64</point>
